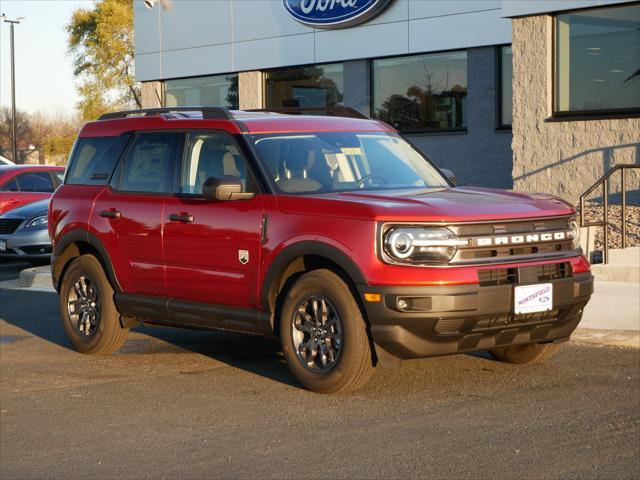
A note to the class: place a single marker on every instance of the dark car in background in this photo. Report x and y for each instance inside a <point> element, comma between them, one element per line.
<point>22,184</point>
<point>24,235</point>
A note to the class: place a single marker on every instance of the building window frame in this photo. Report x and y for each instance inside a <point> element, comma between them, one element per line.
<point>163,90</point>
<point>569,115</point>
<point>424,131</point>
<point>264,73</point>
<point>500,125</point>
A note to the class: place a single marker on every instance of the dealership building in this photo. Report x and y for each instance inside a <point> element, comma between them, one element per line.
<point>531,95</point>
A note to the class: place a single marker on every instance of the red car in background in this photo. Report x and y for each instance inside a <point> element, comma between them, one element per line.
<point>22,184</point>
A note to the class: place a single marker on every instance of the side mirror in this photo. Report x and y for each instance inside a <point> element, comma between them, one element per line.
<point>450,175</point>
<point>224,189</point>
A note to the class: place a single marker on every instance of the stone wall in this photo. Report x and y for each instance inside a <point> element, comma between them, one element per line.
<point>561,157</point>
<point>151,94</point>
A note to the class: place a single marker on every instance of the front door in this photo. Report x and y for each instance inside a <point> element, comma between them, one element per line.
<point>212,248</point>
<point>128,214</point>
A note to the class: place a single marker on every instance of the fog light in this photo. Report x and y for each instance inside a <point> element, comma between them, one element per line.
<point>402,304</point>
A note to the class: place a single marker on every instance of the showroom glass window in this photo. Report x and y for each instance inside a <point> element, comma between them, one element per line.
<point>597,55</point>
<point>213,91</point>
<point>421,92</point>
<point>310,86</point>
<point>505,99</point>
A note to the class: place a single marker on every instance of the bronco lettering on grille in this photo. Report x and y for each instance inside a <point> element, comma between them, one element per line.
<point>517,239</point>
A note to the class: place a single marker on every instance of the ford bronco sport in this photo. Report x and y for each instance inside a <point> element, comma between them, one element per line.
<point>334,234</point>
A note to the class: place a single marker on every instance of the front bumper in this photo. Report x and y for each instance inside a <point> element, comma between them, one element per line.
<point>27,244</point>
<point>467,318</point>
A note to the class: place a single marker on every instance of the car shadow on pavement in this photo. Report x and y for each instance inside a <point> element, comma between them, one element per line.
<point>258,355</point>
<point>36,312</point>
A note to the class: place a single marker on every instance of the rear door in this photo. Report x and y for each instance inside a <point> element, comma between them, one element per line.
<point>211,248</point>
<point>128,214</point>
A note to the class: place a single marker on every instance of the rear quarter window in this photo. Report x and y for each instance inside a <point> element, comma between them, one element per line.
<point>94,159</point>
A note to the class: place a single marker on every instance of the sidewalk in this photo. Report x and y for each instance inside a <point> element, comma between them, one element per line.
<point>612,317</point>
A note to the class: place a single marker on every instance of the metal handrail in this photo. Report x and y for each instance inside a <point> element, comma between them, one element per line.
<point>604,183</point>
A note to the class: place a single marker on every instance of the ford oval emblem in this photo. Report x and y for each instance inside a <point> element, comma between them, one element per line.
<point>334,13</point>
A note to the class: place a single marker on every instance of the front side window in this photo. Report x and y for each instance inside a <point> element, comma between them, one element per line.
<point>212,91</point>
<point>212,155</point>
<point>341,161</point>
<point>150,163</point>
<point>35,182</point>
<point>312,86</point>
<point>421,92</point>
<point>597,65</point>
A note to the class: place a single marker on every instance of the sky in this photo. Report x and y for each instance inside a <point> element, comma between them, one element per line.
<point>44,73</point>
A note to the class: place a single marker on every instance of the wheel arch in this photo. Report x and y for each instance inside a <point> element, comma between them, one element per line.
<point>73,244</point>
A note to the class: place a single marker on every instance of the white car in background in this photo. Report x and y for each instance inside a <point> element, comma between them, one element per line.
<point>5,161</point>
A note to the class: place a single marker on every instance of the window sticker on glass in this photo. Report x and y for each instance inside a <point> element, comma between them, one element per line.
<point>352,151</point>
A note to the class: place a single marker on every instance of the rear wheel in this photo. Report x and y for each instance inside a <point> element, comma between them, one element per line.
<point>89,315</point>
<point>523,354</point>
<point>324,336</point>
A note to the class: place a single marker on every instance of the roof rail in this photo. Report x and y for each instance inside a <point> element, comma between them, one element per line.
<point>338,111</point>
<point>208,113</point>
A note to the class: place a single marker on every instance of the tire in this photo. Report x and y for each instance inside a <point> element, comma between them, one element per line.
<point>343,360</point>
<point>524,354</point>
<point>85,289</point>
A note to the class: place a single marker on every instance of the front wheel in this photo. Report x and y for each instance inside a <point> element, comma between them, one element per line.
<point>523,354</point>
<point>323,334</point>
<point>89,315</point>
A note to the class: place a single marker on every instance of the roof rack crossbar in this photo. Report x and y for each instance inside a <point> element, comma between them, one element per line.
<point>338,111</point>
<point>208,113</point>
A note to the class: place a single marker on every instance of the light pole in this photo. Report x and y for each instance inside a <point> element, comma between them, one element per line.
<point>13,86</point>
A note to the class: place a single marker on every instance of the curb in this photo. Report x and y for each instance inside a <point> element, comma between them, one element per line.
<point>613,338</point>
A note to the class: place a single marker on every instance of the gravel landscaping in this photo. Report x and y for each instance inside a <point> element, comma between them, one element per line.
<point>595,213</point>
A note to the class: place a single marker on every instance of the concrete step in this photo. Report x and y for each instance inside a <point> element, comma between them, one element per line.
<point>629,273</point>
<point>626,256</point>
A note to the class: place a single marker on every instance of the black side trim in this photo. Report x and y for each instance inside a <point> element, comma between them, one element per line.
<point>191,314</point>
<point>300,249</point>
<point>58,263</point>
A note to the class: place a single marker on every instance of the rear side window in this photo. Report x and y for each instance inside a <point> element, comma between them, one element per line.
<point>151,162</point>
<point>94,159</point>
<point>35,182</point>
<point>10,186</point>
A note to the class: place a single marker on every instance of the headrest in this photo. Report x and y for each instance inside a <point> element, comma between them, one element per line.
<point>295,154</point>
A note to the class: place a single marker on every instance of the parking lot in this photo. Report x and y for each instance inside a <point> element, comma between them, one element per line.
<point>195,404</point>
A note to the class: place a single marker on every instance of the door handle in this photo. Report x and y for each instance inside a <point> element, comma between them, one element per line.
<point>181,217</point>
<point>111,213</point>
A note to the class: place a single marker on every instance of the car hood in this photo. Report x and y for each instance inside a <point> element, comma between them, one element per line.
<point>462,204</point>
<point>30,210</point>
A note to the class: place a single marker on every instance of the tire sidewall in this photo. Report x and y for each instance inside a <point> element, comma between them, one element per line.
<point>353,331</point>
<point>89,266</point>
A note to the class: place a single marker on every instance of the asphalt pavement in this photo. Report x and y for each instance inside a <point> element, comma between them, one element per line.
<point>188,404</point>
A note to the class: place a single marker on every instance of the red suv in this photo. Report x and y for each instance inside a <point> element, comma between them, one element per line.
<point>334,234</point>
<point>22,184</point>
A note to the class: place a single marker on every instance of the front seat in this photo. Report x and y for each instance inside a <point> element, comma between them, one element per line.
<point>297,158</point>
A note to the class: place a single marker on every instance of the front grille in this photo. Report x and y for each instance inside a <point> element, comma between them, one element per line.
<point>37,249</point>
<point>9,225</point>
<point>457,326</point>
<point>538,273</point>
<point>529,240</point>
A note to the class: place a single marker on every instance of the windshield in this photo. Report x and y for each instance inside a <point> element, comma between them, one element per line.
<point>338,161</point>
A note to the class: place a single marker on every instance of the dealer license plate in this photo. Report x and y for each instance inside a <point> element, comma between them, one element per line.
<point>3,245</point>
<point>533,298</point>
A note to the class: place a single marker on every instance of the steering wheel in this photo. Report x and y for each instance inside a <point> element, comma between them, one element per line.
<point>368,178</point>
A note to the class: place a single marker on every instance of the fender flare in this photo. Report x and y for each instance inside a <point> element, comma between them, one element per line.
<point>303,248</point>
<point>61,258</point>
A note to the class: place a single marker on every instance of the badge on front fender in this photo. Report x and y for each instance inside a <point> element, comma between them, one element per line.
<point>243,256</point>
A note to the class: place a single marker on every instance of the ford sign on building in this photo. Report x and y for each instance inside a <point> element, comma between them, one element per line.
<point>333,13</point>
<point>551,117</point>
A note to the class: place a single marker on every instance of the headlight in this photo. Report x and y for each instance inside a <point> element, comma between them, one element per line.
<point>574,231</point>
<point>420,245</point>
<point>38,222</point>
